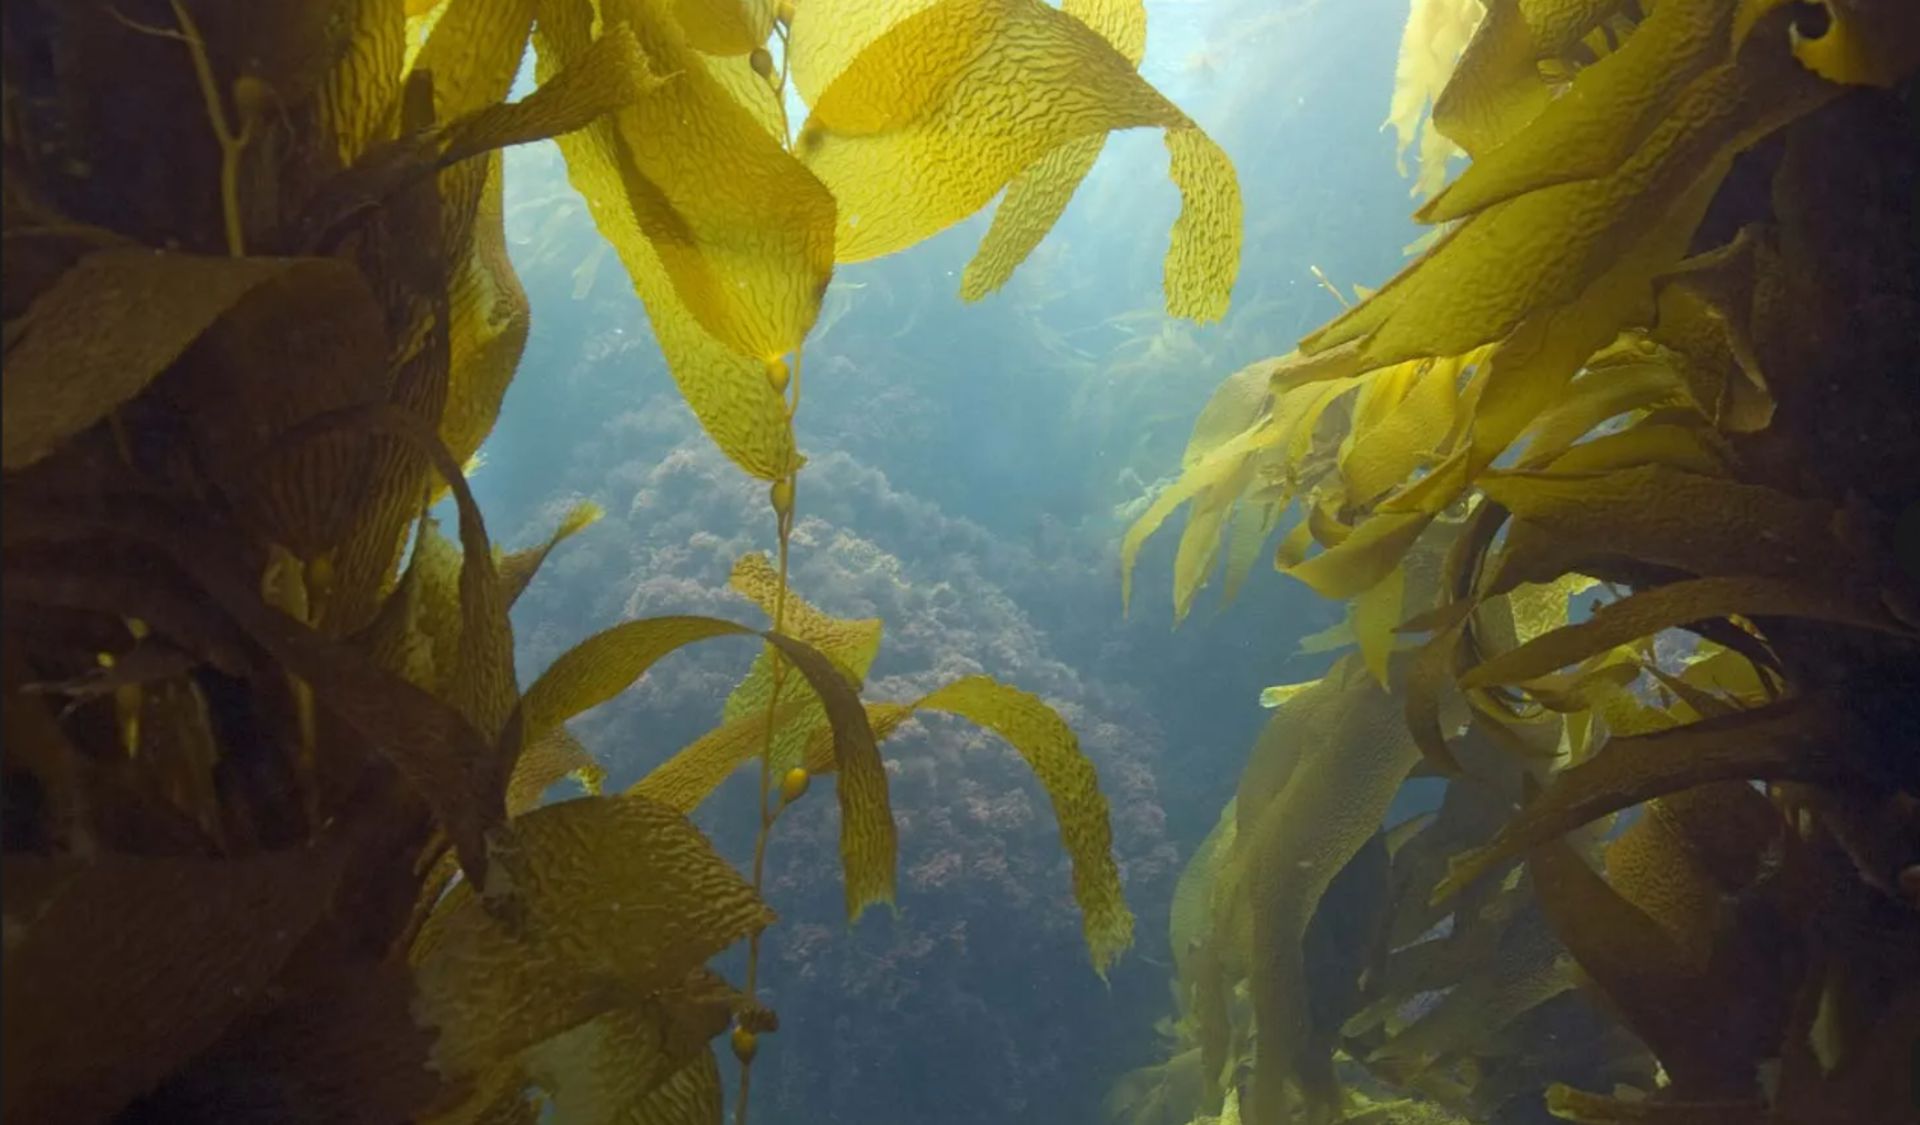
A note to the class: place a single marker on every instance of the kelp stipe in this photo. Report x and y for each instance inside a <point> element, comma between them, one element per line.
<point>274,848</point>
<point>1649,307</point>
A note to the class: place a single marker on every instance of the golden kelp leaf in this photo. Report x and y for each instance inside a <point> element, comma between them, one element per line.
<point>1037,196</point>
<point>1569,1104</point>
<point>1375,615</point>
<point>1785,741</point>
<point>1704,525</point>
<point>1595,125</point>
<point>1541,250</point>
<point>1191,915</point>
<point>598,1071</point>
<point>545,762</point>
<point>1496,87</point>
<point>617,897</point>
<point>1689,448</point>
<point>1033,203</point>
<point>1200,539</point>
<point>725,27</point>
<point>690,1096</point>
<point>611,74</point>
<point>517,569</point>
<point>1050,749</point>
<point>1592,398</point>
<point>850,643</point>
<point>1387,451</point>
<point>686,779</point>
<point>1219,465</point>
<point>1252,523</point>
<point>1365,557</point>
<point>107,327</point>
<point>934,116</point>
<point>1353,751</point>
<point>603,665</point>
<point>488,324</point>
<point>1435,33</point>
<point>728,256</point>
<point>741,228</point>
<point>121,968</point>
<point>884,718</point>
<point>1665,607</point>
<point>1235,405</point>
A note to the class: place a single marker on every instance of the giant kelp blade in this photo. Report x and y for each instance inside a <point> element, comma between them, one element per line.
<point>603,665</point>
<point>729,257</point>
<point>869,845</point>
<point>850,643</point>
<point>1050,749</point>
<point>725,27</point>
<point>613,898</point>
<point>683,781</point>
<point>1659,514</point>
<point>1664,607</point>
<point>933,116</point>
<point>1609,109</point>
<point>600,1070</point>
<point>1538,251</point>
<point>1035,200</point>
<point>120,968</point>
<point>1349,753</point>
<point>518,567</point>
<point>741,229</point>
<point>1365,558</point>
<point>1787,741</point>
<point>555,756</point>
<point>106,328</point>
<point>1218,465</point>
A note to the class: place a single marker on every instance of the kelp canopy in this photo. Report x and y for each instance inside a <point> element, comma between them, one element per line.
<point>274,847</point>
<point>1619,479</point>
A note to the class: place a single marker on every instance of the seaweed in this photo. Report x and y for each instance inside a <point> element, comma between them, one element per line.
<point>1655,663</point>
<point>276,848</point>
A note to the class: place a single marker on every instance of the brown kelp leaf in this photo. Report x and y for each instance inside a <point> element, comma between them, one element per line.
<point>432,745</point>
<point>107,327</point>
<point>1866,44</point>
<point>518,568</point>
<point>916,127</point>
<point>1569,1104</point>
<point>323,334</point>
<point>1664,607</point>
<point>1050,749</point>
<point>120,968</point>
<point>615,898</point>
<point>1787,741</point>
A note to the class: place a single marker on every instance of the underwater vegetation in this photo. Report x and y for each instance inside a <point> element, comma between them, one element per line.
<point>1610,478</point>
<point>274,841</point>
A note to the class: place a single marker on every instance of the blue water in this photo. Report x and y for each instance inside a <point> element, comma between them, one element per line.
<point>966,464</point>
